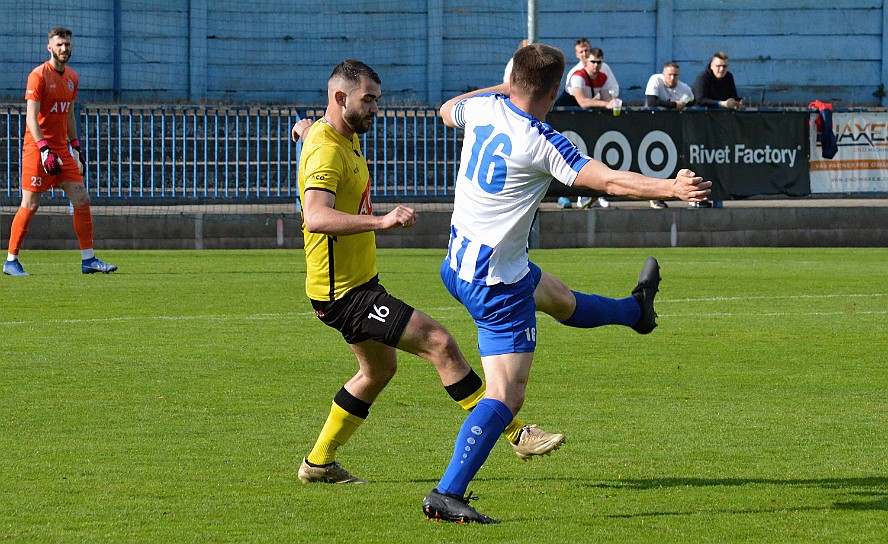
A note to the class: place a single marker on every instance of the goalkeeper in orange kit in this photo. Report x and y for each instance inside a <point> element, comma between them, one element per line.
<point>47,161</point>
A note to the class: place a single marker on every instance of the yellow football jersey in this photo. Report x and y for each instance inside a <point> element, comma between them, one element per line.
<point>336,264</point>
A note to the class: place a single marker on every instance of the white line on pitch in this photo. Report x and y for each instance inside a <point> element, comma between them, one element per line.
<point>457,308</point>
<point>165,318</point>
<point>719,299</point>
<point>772,314</point>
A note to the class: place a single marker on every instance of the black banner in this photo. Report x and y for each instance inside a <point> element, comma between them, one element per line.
<point>743,153</point>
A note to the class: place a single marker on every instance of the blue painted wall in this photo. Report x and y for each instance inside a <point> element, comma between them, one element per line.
<point>282,51</point>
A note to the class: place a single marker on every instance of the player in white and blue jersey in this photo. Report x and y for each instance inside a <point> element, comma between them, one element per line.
<point>509,158</point>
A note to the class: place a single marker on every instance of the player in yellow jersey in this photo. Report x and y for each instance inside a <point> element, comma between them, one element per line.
<point>343,286</point>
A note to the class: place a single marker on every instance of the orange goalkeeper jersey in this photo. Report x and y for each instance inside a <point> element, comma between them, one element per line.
<point>56,93</point>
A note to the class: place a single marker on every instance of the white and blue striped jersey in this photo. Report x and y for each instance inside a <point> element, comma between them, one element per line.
<point>508,160</point>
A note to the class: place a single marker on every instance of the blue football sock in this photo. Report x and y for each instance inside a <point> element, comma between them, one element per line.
<point>476,438</point>
<point>595,311</point>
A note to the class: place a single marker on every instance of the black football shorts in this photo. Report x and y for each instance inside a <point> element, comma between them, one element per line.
<point>367,312</point>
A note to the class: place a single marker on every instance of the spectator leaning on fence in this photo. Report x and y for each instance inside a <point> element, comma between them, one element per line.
<point>589,87</point>
<point>666,90</point>
<point>714,86</point>
<point>47,160</point>
<point>582,47</point>
<point>343,284</point>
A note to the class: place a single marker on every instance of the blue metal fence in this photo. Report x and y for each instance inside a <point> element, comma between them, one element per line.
<point>194,154</point>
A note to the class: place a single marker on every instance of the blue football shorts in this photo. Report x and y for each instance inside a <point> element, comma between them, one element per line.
<point>505,313</point>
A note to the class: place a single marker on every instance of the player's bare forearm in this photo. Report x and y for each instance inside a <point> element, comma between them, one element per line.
<point>324,220</point>
<point>72,124</point>
<point>447,107</point>
<point>321,217</point>
<point>685,186</point>
<point>592,103</point>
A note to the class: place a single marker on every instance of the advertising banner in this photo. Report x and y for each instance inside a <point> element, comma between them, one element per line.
<point>861,165</point>
<point>638,141</point>
<point>742,153</point>
<point>749,153</point>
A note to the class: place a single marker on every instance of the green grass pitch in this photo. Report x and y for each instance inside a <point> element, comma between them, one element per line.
<point>173,400</point>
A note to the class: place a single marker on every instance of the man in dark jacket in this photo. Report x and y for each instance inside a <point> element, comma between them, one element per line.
<point>714,86</point>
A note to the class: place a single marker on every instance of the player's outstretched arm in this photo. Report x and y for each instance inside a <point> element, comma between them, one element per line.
<point>447,108</point>
<point>320,216</point>
<point>685,186</point>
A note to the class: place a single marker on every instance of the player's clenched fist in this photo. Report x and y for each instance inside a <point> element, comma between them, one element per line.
<point>51,162</point>
<point>402,216</point>
<point>690,184</point>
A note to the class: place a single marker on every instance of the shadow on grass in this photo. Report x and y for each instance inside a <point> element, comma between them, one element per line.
<point>873,491</point>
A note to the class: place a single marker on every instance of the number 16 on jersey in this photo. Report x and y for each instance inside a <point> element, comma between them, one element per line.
<point>487,168</point>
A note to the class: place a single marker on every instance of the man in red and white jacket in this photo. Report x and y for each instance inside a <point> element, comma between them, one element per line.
<point>589,87</point>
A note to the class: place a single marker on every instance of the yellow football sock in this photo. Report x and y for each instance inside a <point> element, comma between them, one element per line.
<point>513,430</point>
<point>472,400</point>
<point>339,427</point>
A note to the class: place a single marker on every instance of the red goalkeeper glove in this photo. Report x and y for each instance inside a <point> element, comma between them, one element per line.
<point>51,162</point>
<point>79,156</point>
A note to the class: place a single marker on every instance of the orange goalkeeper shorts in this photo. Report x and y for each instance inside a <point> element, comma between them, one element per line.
<point>35,178</point>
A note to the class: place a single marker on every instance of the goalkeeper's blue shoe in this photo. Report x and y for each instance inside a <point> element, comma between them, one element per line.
<point>14,268</point>
<point>91,266</point>
<point>644,293</point>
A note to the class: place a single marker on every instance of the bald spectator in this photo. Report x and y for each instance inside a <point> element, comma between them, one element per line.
<point>666,90</point>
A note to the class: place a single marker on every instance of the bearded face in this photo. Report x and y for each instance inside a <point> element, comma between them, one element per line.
<point>359,120</point>
<point>60,49</point>
<point>361,106</point>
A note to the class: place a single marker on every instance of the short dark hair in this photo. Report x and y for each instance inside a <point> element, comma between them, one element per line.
<point>537,68</point>
<point>671,64</point>
<point>61,32</point>
<point>719,55</point>
<point>581,41</point>
<point>352,70</point>
<point>596,52</point>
